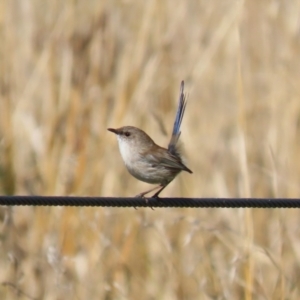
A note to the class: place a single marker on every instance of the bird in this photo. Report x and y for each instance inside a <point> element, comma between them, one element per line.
<point>149,162</point>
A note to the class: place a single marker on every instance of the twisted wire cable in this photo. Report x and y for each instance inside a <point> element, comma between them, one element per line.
<point>150,202</point>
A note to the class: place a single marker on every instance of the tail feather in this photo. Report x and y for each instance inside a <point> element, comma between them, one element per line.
<point>173,147</point>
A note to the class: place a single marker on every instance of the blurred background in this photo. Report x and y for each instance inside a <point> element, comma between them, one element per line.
<point>71,69</point>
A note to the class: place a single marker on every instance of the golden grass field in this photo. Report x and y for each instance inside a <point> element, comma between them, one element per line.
<point>71,69</point>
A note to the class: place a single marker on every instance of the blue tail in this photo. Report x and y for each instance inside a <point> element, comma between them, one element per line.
<point>173,147</point>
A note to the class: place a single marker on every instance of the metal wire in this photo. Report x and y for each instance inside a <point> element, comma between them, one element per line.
<point>150,202</point>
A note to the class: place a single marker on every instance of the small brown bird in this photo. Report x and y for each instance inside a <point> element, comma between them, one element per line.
<point>147,161</point>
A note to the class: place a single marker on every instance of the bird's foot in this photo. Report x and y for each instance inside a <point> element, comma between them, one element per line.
<point>142,195</point>
<point>156,198</point>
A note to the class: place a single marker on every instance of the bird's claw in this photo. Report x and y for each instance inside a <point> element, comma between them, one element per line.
<point>143,197</point>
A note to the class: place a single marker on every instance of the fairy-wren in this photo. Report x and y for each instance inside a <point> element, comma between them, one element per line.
<point>149,162</point>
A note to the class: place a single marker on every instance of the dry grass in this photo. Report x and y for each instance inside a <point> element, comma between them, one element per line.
<point>70,69</point>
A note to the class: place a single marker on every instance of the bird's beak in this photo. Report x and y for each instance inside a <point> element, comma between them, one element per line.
<point>113,130</point>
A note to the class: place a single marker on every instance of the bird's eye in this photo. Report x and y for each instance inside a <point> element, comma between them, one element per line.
<point>127,133</point>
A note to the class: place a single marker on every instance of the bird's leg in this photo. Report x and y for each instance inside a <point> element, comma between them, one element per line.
<point>144,193</point>
<point>159,191</point>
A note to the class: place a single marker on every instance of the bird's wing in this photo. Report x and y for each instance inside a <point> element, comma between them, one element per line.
<point>163,158</point>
